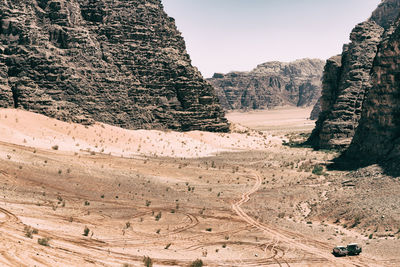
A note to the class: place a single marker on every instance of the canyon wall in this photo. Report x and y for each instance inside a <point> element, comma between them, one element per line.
<point>347,80</point>
<point>121,62</point>
<point>378,134</point>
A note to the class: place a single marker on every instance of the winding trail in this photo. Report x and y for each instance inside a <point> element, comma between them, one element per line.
<point>289,239</point>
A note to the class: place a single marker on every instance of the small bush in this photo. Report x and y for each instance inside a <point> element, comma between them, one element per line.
<point>29,231</point>
<point>167,246</point>
<point>148,262</point>
<point>209,229</point>
<point>318,170</point>
<point>86,231</point>
<point>55,147</point>
<point>44,241</point>
<point>28,234</point>
<point>197,263</point>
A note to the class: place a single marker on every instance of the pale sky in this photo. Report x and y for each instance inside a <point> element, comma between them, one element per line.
<point>228,35</point>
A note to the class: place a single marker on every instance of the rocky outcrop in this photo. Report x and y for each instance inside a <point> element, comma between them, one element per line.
<point>378,135</point>
<point>343,96</point>
<point>6,97</point>
<point>119,62</point>
<point>344,87</point>
<point>316,110</point>
<point>330,81</point>
<point>386,13</point>
<point>270,85</point>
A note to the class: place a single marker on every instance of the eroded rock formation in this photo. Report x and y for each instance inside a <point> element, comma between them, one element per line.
<point>120,62</point>
<point>316,110</point>
<point>270,85</point>
<point>347,82</point>
<point>378,135</point>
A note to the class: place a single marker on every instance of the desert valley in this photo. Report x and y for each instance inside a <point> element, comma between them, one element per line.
<point>230,199</point>
<point>115,151</point>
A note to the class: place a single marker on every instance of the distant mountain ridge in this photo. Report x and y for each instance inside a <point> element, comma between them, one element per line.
<point>270,85</point>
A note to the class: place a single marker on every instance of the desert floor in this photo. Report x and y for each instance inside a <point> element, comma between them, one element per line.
<point>237,199</point>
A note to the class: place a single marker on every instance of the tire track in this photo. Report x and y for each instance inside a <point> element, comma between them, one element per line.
<point>287,236</point>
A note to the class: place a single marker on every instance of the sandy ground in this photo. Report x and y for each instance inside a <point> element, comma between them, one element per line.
<point>238,199</point>
<point>34,130</point>
<point>279,120</point>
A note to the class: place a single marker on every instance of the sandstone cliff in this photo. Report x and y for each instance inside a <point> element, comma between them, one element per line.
<point>347,82</point>
<point>120,62</point>
<point>270,85</point>
<point>378,135</point>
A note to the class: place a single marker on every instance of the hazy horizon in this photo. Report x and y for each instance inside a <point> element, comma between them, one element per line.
<point>233,35</point>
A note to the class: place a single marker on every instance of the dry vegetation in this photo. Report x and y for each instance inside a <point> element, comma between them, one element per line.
<point>247,201</point>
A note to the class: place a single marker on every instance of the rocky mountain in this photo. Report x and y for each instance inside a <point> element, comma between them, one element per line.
<point>270,85</point>
<point>347,80</point>
<point>378,134</point>
<point>119,62</point>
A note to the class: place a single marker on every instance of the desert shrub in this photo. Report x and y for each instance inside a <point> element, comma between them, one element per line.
<point>357,221</point>
<point>148,262</point>
<point>318,170</point>
<point>29,231</point>
<point>167,246</point>
<point>370,236</point>
<point>86,231</point>
<point>197,263</point>
<point>55,147</point>
<point>44,241</point>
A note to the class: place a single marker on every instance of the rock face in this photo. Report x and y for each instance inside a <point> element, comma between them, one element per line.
<point>378,134</point>
<point>316,110</point>
<point>386,13</point>
<point>347,80</point>
<point>270,85</point>
<point>120,62</point>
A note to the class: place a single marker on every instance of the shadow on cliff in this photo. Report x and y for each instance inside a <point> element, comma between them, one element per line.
<point>345,163</point>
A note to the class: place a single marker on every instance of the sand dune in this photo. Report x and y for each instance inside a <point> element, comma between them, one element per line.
<point>34,130</point>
